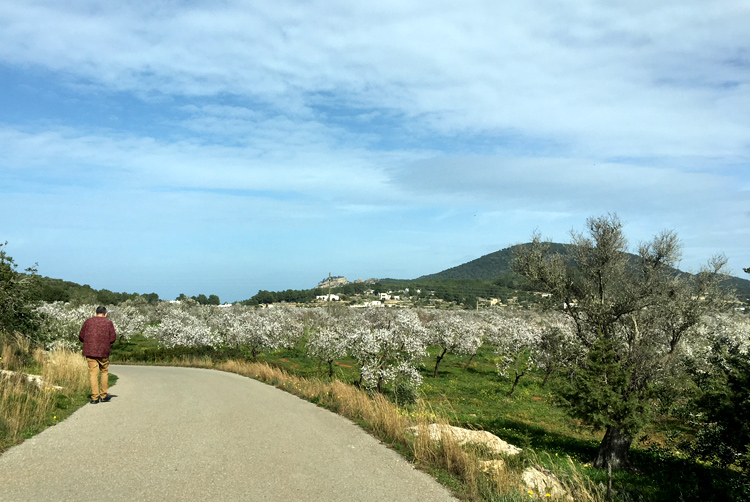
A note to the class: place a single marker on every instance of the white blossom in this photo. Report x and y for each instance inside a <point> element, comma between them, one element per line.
<point>179,328</point>
<point>389,346</point>
<point>454,332</point>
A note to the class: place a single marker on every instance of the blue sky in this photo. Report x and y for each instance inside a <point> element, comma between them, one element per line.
<point>226,147</point>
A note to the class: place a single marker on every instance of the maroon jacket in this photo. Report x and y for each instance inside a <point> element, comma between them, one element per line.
<point>97,335</point>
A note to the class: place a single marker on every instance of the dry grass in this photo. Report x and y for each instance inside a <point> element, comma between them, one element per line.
<point>29,406</point>
<point>580,486</point>
<point>66,369</point>
<point>8,358</point>
<point>446,454</point>
<point>13,351</point>
<point>23,405</point>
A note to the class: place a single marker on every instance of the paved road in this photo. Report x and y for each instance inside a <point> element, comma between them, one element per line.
<point>188,434</point>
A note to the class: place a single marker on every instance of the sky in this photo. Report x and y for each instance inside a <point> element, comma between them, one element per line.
<point>226,147</point>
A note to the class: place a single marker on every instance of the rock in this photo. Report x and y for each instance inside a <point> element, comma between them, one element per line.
<point>537,479</point>
<point>31,378</point>
<point>542,481</point>
<point>463,436</point>
<point>333,282</point>
<point>492,466</point>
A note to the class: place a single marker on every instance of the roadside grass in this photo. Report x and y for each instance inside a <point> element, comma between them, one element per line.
<point>475,397</point>
<point>27,408</point>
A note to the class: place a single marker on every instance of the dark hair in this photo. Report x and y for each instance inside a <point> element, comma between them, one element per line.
<point>101,310</point>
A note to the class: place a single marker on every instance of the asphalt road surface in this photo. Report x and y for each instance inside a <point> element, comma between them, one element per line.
<point>173,434</point>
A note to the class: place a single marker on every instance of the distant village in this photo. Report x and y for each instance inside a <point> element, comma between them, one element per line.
<point>404,297</point>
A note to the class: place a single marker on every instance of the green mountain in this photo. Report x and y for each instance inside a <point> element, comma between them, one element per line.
<point>489,266</point>
<point>498,265</point>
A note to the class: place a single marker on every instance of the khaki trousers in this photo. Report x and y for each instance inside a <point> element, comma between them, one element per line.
<point>98,372</point>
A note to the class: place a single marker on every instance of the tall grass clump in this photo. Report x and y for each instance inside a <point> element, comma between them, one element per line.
<point>446,454</point>
<point>23,406</point>
<point>66,369</point>
<point>37,388</point>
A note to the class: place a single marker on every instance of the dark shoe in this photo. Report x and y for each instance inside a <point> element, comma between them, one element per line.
<point>105,399</point>
<point>94,401</point>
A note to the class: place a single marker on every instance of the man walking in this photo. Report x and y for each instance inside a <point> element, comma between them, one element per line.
<point>98,335</point>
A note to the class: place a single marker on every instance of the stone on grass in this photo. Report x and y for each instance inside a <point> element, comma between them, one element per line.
<point>495,467</point>
<point>35,379</point>
<point>542,482</point>
<point>464,436</point>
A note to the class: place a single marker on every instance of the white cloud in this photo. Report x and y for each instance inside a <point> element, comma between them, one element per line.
<point>432,130</point>
<point>639,79</point>
<point>308,167</point>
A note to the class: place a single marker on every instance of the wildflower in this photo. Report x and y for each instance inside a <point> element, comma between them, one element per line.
<point>548,495</point>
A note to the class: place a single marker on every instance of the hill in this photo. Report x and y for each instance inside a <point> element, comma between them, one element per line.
<point>490,266</point>
<point>498,265</point>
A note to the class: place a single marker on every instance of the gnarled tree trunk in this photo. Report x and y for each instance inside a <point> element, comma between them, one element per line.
<point>437,363</point>
<point>614,450</point>
<point>515,382</point>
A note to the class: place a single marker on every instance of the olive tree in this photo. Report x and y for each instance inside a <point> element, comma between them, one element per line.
<point>722,374</point>
<point>632,316</point>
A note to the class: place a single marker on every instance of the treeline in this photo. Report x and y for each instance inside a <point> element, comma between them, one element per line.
<point>57,290</point>
<point>264,297</point>
<point>201,299</point>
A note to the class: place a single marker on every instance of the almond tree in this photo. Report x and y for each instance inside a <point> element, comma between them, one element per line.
<point>720,366</point>
<point>181,328</point>
<point>61,323</point>
<point>454,333</point>
<point>260,331</point>
<point>515,339</point>
<point>291,325</point>
<point>229,324</point>
<point>332,336</point>
<point>128,320</point>
<point>719,334</point>
<point>390,347</point>
<point>632,318</point>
